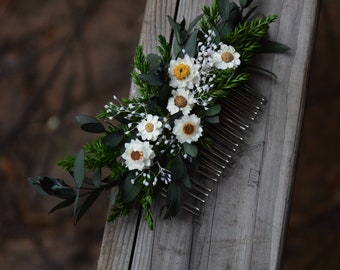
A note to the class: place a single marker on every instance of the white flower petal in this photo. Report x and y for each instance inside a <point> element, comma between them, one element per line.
<point>226,57</point>
<point>184,72</point>
<point>138,155</point>
<point>150,128</point>
<point>181,100</point>
<point>188,129</point>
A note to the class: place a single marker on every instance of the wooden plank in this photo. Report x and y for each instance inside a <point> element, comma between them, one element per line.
<point>243,223</point>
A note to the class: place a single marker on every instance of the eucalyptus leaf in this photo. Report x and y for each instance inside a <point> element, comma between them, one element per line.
<point>190,149</point>
<point>190,45</point>
<point>90,199</point>
<point>186,180</point>
<point>173,199</point>
<point>113,139</point>
<point>225,29</point>
<point>61,205</point>
<point>90,124</point>
<point>273,47</point>
<point>55,187</point>
<point>35,182</point>
<point>79,168</point>
<point>114,196</point>
<point>249,13</point>
<point>212,119</point>
<point>177,168</point>
<point>174,25</point>
<point>194,22</point>
<point>224,9</point>
<point>76,201</point>
<point>130,191</point>
<point>97,177</point>
<point>245,3</point>
<point>177,49</point>
<point>256,69</point>
<point>164,93</point>
<point>151,78</point>
<point>213,110</point>
<point>153,60</point>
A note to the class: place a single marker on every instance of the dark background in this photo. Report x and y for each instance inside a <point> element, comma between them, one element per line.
<point>61,58</point>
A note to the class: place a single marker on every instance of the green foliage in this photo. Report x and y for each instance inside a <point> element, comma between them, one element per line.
<point>146,202</point>
<point>90,124</point>
<point>185,39</point>
<point>247,36</point>
<point>164,48</point>
<point>130,190</point>
<point>119,209</point>
<point>142,66</point>
<point>79,168</point>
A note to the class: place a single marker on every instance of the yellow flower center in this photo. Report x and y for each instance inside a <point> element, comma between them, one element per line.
<point>182,71</point>
<point>180,101</point>
<point>149,127</point>
<point>188,129</point>
<point>227,57</point>
<point>136,155</point>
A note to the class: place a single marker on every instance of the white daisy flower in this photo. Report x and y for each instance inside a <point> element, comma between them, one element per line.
<point>188,129</point>
<point>184,72</point>
<point>138,155</point>
<point>150,127</point>
<point>181,100</point>
<point>226,57</point>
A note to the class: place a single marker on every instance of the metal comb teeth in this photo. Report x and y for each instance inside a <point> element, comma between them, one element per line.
<point>238,113</point>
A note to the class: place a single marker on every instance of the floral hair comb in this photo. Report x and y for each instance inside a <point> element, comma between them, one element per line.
<point>192,109</point>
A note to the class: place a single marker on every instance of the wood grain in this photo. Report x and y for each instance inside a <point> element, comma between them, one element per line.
<point>244,220</point>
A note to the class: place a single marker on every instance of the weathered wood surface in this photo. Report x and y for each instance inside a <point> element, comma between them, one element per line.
<point>243,223</point>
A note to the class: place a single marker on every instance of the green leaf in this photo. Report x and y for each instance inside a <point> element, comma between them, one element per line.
<point>194,22</point>
<point>177,49</point>
<point>61,205</point>
<point>186,180</point>
<point>224,9</point>
<point>174,25</point>
<point>245,3</point>
<point>224,29</point>
<point>213,110</point>
<point>273,47</point>
<point>35,182</point>
<point>79,168</point>
<point>164,92</point>
<point>190,149</point>
<point>51,186</point>
<point>97,177</point>
<point>249,13</point>
<point>90,199</point>
<point>177,168</point>
<point>114,196</point>
<point>153,60</point>
<point>191,43</point>
<point>173,199</point>
<point>262,70</point>
<point>212,119</point>
<point>90,124</point>
<point>113,139</point>
<point>150,78</point>
<point>76,201</point>
<point>130,191</point>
